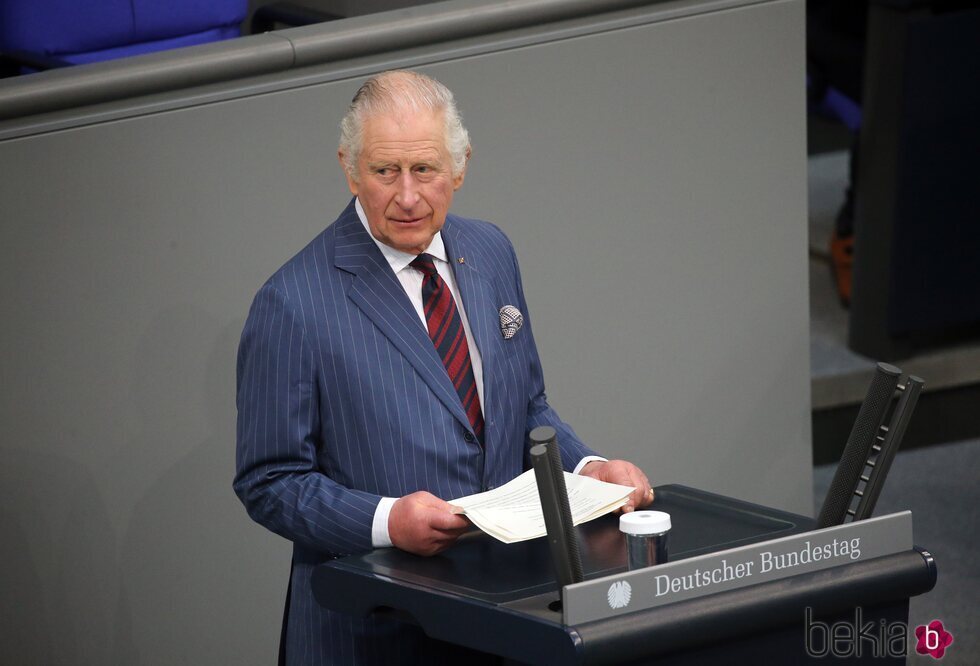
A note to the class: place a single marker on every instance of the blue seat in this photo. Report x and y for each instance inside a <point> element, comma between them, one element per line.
<point>69,32</point>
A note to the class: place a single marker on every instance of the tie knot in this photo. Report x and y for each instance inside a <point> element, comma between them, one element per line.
<point>424,263</point>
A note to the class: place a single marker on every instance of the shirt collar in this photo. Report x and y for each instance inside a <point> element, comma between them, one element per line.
<point>396,258</point>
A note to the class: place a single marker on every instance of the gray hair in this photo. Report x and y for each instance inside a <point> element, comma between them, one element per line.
<point>402,91</point>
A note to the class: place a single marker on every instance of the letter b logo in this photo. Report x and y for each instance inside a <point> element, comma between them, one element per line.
<point>933,639</point>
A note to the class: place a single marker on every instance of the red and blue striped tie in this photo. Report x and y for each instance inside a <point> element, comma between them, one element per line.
<point>446,330</point>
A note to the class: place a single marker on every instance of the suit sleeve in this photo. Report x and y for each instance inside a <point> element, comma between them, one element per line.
<point>539,412</point>
<point>278,431</point>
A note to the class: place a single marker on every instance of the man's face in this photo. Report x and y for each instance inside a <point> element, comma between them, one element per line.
<point>404,178</point>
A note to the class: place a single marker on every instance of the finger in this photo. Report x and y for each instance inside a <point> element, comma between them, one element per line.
<point>639,488</point>
<point>642,494</point>
<point>440,547</point>
<point>454,533</point>
<point>642,484</point>
<point>644,481</point>
<point>428,502</point>
<point>640,497</point>
<point>445,539</point>
<point>628,474</point>
<point>446,521</point>
<point>448,512</point>
<point>641,479</point>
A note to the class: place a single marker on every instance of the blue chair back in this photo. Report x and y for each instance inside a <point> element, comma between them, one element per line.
<point>80,32</point>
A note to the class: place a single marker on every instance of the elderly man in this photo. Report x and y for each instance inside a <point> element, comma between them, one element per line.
<point>388,367</point>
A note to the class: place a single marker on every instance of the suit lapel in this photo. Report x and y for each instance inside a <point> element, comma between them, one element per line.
<point>377,292</point>
<point>479,300</point>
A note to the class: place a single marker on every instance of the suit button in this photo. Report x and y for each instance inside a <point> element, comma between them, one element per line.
<point>468,436</point>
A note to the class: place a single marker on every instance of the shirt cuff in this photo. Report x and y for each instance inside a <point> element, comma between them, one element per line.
<point>585,461</point>
<point>379,528</point>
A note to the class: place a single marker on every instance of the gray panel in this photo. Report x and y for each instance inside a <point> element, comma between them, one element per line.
<point>735,568</point>
<point>659,211</point>
<point>651,177</point>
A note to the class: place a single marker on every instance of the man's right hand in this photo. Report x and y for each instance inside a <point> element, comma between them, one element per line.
<point>423,524</point>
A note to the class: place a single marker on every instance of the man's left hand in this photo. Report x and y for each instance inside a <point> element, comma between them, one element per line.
<point>625,474</point>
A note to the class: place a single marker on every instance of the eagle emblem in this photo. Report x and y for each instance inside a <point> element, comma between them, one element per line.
<point>619,594</point>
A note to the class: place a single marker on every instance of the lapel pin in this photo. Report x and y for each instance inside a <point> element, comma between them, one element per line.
<point>461,260</point>
<point>511,321</point>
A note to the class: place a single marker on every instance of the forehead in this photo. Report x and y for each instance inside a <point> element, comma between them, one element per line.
<point>407,134</point>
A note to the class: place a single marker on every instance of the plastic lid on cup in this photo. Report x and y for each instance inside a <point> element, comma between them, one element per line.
<point>644,522</point>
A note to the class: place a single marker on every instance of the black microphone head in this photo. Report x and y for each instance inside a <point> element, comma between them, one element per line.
<point>889,369</point>
<point>538,450</point>
<point>543,435</point>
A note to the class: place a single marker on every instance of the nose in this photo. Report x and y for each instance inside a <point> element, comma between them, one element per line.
<point>407,195</point>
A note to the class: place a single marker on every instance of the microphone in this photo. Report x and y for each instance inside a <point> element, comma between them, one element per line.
<point>546,460</point>
<point>859,443</point>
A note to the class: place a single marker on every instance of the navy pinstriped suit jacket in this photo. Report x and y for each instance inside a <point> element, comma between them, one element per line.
<point>342,399</point>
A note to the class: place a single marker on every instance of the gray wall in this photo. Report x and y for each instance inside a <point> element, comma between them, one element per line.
<point>650,172</point>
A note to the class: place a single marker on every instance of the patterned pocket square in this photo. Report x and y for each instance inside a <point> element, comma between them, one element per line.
<point>511,321</point>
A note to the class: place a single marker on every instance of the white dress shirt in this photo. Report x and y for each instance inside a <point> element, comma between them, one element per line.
<point>411,281</point>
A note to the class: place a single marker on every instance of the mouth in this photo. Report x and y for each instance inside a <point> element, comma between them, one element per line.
<point>414,220</point>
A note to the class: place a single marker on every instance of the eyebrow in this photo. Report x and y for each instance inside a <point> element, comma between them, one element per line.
<point>379,164</point>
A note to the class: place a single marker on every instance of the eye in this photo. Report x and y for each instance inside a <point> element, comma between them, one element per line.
<point>385,173</point>
<point>425,172</point>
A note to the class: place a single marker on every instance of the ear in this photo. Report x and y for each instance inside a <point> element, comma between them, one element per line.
<point>461,176</point>
<point>351,183</point>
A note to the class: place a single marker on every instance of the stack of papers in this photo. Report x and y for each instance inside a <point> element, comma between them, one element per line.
<point>512,512</point>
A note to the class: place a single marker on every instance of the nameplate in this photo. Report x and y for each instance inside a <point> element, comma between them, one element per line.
<point>735,568</point>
